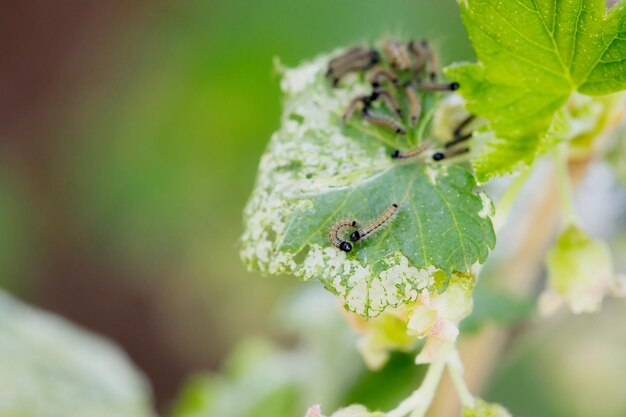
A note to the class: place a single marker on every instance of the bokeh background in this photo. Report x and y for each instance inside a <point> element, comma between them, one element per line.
<point>130,132</point>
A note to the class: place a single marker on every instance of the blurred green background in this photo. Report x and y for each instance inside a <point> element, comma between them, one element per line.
<point>130,133</point>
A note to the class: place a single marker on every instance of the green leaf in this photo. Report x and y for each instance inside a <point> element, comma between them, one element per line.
<point>484,409</point>
<point>50,368</point>
<point>317,171</point>
<point>533,54</point>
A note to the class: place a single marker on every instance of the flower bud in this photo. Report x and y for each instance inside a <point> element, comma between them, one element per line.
<point>580,272</point>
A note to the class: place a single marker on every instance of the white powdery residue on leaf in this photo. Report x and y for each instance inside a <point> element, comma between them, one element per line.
<point>488,208</point>
<point>377,295</point>
<point>357,297</point>
<point>312,264</point>
<point>282,262</point>
<point>298,79</point>
<point>309,161</point>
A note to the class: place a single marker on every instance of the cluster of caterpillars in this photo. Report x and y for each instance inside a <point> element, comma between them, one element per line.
<point>412,67</point>
<point>404,69</point>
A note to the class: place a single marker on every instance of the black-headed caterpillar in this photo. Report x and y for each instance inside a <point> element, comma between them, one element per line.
<point>398,55</point>
<point>381,74</point>
<point>415,104</point>
<point>383,121</point>
<point>359,61</point>
<point>389,99</point>
<point>411,153</point>
<point>438,156</point>
<point>420,55</point>
<point>384,219</point>
<point>432,61</point>
<point>364,100</point>
<point>458,131</point>
<point>346,57</point>
<point>458,139</point>
<point>432,87</point>
<point>333,234</point>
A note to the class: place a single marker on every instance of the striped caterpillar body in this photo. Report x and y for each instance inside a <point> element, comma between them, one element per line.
<point>411,153</point>
<point>389,98</point>
<point>398,55</point>
<point>459,129</point>
<point>384,219</point>
<point>364,100</point>
<point>333,234</point>
<point>458,139</point>
<point>346,57</point>
<point>381,74</point>
<point>431,60</point>
<point>427,86</point>
<point>420,55</point>
<point>414,103</point>
<point>383,121</point>
<point>438,156</point>
<point>357,59</point>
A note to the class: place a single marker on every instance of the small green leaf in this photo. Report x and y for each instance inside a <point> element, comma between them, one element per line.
<point>50,368</point>
<point>533,54</point>
<point>317,171</point>
<point>484,409</point>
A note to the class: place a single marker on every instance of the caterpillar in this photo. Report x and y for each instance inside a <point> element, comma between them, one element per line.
<point>431,60</point>
<point>398,55</point>
<point>383,121</point>
<point>346,57</point>
<point>459,129</point>
<point>333,234</point>
<point>364,99</point>
<point>411,153</point>
<point>375,225</point>
<point>357,61</point>
<point>380,74</point>
<point>429,86</point>
<point>415,104</point>
<point>420,56</point>
<point>438,156</point>
<point>458,139</point>
<point>389,98</point>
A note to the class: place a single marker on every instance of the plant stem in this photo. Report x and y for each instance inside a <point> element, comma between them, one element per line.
<point>455,370</point>
<point>505,203</point>
<point>417,404</point>
<point>481,352</point>
<point>565,186</point>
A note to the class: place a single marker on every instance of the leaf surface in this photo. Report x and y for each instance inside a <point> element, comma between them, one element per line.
<point>317,171</point>
<point>533,55</point>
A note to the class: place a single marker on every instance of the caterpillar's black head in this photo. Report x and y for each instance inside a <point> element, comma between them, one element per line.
<point>345,246</point>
